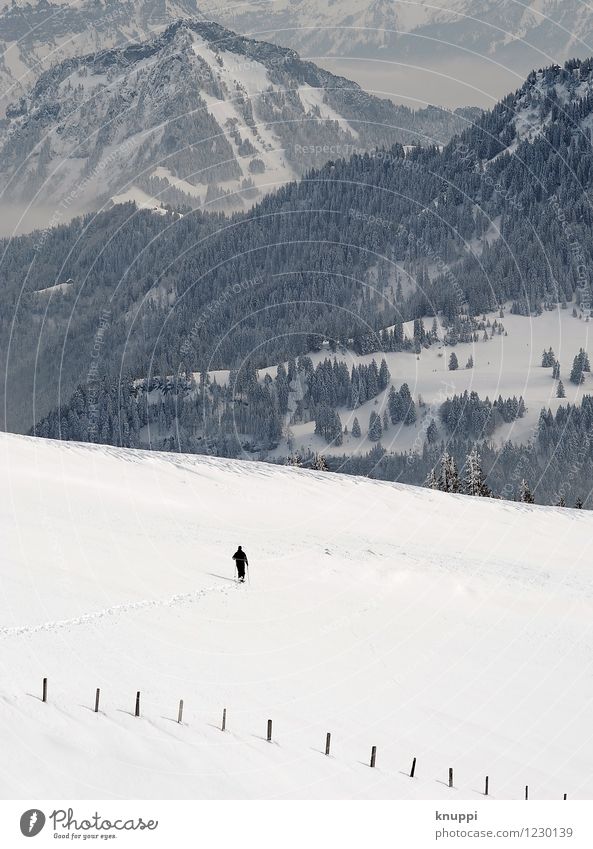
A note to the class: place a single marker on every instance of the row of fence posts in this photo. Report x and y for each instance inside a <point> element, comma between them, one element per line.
<point>328,738</point>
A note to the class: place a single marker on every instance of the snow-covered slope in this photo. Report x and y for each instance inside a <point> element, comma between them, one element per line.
<point>450,629</point>
<point>507,365</point>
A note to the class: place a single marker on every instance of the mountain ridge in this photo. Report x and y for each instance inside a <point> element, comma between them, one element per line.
<point>197,115</point>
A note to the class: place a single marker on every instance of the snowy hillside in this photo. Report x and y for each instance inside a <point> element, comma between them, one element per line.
<point>449,629</point>
<point>507,365</point>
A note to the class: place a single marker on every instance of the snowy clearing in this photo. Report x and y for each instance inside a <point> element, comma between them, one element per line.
<point>504,365</point>
<point>454,630</point>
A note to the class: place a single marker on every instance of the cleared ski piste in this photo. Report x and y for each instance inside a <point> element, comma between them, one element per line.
<point>458,631</point>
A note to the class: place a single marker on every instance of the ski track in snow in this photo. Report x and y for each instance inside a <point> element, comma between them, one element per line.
<point>125,607</point>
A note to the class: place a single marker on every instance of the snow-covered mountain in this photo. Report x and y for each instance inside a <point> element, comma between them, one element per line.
<point>450,629</point>
<point>36,36</point>
<point>196,115</point>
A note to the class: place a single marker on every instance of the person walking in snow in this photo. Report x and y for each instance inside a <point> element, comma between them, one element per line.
<point>241,562</point>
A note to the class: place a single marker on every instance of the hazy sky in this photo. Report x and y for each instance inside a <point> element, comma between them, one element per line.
<point>452,83</point>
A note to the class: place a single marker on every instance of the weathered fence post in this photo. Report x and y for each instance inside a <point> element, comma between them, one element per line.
<point>223,726</point>
<point>44,698</point>
<point>450,776</point>
<point>328,738</point>
<point>564,797</point>
<point>137,712</point>
<point>486,786</point>
<point>413,770</point>
<point>373,756</point>
<point>269,730</point>
<point>526,792</point>
<point>97,696</point>
<point>180,714</point>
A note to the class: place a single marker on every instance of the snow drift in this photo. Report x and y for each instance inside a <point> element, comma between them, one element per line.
<point>450,629</point>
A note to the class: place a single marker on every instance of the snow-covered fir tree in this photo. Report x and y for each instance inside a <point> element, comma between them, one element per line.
<point>319,463</point>
<point>375,427</point>
<point>475,480</point>
<point>432,480</point>
<point>449,481</point>
<point>548,358</point>
<point>525,494</point>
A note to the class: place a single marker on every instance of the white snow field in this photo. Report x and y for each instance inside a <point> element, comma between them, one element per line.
<point>455,630</point>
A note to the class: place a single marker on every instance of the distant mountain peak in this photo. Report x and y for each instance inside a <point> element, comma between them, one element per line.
<point>194,116</point>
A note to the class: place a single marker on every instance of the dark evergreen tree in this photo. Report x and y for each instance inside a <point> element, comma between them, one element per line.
<point>525,494</point>
<point>375,428</point>
<point>475,480</point>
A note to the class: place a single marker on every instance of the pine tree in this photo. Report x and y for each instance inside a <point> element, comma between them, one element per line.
<point>525,495</point>
<point>319,463</point>
<point>394,406</point>
<point>384,376</point>
<point>375,428</point>
<point>432,432</point>
<point>356,429</point>
<point>579,366</point>
<point>560,393</point>
<point>579,503</point>
<point>548,358</point>
<point>407,405</point>
<point>475,481</point>
<point>470,362</point>
<point>561,502</point>
<point>449,475</point>
<point>453,363</point>
<point>432,480</point>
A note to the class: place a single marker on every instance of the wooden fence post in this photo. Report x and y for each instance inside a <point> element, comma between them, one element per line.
<point>269,730</point>
<point>180,714</point>
<point>450,776</point>
<point>526,792</point>
<point>413,770</point>
<point>137,712</point>
<point>328,738</point>
<point>486,786</point>
<point>373,756</point>
<point>223,726</point>
<point>45,689</point>
<point>97,696</point>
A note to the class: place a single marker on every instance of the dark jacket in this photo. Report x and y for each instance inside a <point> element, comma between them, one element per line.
<point>240,555</point>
